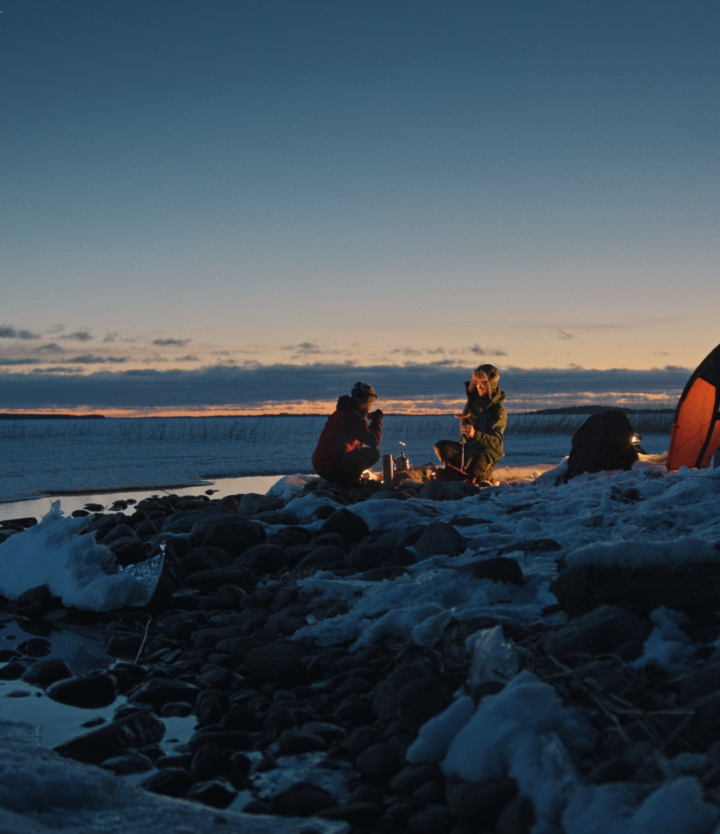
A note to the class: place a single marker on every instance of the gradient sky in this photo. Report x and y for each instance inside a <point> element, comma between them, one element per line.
<point>188,184</point>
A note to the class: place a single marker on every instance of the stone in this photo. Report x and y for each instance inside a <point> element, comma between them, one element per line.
<point>169,782</point>
<point>158,692</point>
<point>224,740</point>
<point>252,502</point>
<point>497,569</point>
<point>205,557</point>
<point>433,819</point>
<point>413,776</point>
<point>295,742</point>
<point>279,662</point>
<point>606,630</point>
<point>302,799</point>
<point>264,558</point>
<point>447,491</point>
<point>137,730</point>
<point>214,579</point>
<point>699,682</point>
<point>322,557</point>
<point>484,800</point>
<point>374,555</point>
<point>205,763</point>
<point>89,691</point>
<point>125,647</point>
<point>363,815</point>
<point>12,671</point>
<point>421,700</point>
<point>128,764</point>
<point>43,673</point>
<point>350,526</point>
<point>440,538</point>
<point>518,817</point>
<point>213,794</point>
<point>379,761</point>
<point>386,700</point>
<point>235,536</point>
<point>34,647</point>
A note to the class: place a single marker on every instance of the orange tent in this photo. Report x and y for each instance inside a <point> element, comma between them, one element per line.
<point>695,433</point>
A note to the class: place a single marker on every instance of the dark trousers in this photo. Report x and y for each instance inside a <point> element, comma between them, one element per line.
<point>477,462</point>
<point>352,465</point>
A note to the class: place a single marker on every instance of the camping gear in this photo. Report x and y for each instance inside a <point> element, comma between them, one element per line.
<point>695,435</point>
<point>604,441</point>
<point>401,462</point>
<point>388,472</point>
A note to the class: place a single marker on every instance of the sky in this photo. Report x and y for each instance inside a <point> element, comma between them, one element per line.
<point>221,203</point>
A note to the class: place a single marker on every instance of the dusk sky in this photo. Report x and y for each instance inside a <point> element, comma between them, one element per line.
<point>238,198</point>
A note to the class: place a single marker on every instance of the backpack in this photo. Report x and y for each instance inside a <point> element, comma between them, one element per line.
<point>604,441</point>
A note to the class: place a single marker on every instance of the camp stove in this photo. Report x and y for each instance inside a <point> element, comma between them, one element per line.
<point>402,463</point>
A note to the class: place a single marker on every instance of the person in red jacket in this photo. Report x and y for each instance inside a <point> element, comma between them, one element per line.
<point>348,445</point>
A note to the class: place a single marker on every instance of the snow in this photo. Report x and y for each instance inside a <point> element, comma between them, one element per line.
<point>42,793</point>
<point>82,573</point>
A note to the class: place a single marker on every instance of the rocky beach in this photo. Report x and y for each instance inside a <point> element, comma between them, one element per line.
<point>532,657</point>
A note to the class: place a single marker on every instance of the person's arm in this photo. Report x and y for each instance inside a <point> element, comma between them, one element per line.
<point>368,435</point>
<point>493,439</point>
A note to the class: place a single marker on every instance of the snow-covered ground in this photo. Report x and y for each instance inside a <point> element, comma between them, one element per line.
<point>643,517</point>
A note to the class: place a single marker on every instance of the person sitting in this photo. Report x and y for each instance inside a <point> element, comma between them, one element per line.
<point>482,425</point>
<point>348,445</point>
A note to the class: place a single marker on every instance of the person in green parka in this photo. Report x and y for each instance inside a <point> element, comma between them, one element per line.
<point>482,425</point>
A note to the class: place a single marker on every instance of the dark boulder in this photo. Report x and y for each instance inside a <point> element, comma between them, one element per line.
<point>137,730</point>
<point>89,691</point>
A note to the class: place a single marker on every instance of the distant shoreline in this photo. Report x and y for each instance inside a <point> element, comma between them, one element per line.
<point>30,416</point>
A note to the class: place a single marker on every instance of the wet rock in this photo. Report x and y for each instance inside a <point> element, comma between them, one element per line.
<point>532,546</point>
<point>89,691</point>
<point>127,764</point>
<point>379,761</point>
<point>518,817</point>
<point>43,673</point>
<point>264,558</point>
<point>117,532</point>
<point>351,527</point>
<point>205,763</point>
<point>111,740</point>
<point>279,662</point>
<point>497,569</point>
<point>205,558</point>
<point>373,555</point>
<point>294,742</point>
<point>440,538</point>
<point>36,602</point>
<point>699,682</point>
<point>606,630</point>
<point>213,794</point>
<point>224,740</point>
<point>363,815</point>
<point>433,819</point>
<point>334,539</point>
<point>290,536</point>
<point>412,777</point>
<point>12,671</point>
<point>218,577</point>
<point>483,800</point>
<point>125,647</point>
<point>378,574</point>
<point>322,557</point>
<point>447,491</point>
<point>386,700</point>
<point>232,535</point>
<point>129,551</point>
<point>301,800</point>
<point>252,503</point>
<point>169,782</point>
<point>423,699</point>
<point>34,647</point>
<point>158,692</point>
<point>703,728</point>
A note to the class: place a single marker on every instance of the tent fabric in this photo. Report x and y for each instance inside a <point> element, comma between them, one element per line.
<point>695,433</point>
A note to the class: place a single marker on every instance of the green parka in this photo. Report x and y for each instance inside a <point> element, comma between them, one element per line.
<point>488,417</point>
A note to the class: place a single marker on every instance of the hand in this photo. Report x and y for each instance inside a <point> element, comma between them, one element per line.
<point>461,416</point>
<point>467,430</point>
<point>376,415</point>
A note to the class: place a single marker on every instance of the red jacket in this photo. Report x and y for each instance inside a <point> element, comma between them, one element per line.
<point>345,427</point>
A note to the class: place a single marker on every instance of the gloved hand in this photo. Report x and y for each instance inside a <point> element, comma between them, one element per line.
<point>376,415</point>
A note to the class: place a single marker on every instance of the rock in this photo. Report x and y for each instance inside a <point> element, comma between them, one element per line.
<point>218,577</point>
<point>447,491</point>
<point>360,739</point>
<point>214,794</point>
<point>606,630</point>
<point>301,800</point>
<point>128,764</point>
<point>89,691</point>
<point>169,782</point>
<point>440,538</point>
<point>205,558</point>
<point>289,536</point>
<point>498,569</point>
<point>125,647</point>
<point>43,673</point>
<point>230,596</point>
<point>137,730</point>
<point>34,647</point>
<point>693,589</point>
<point>158,692</point>
<point>363,815</point>
<point>232,535</point>
<point>423,699</point>
<point>12,671</point>
<point>484,800</point>
<point>264,558</point>
<point>374,555</point>
<point>379,761</point>
<point>117,532</point>
<point>699,682</point>
<point>413,776</point>
<point>386,700</point>
<point>294,742</point>
<point>252,502</point>
<point>224,740</point>
<point>279,662</point>
<point>350,526</point>
<point>322,557</point>
<point>532,546</point>
<point>130,551</point>
<point>518,817</point>
<point>205,763</point>
<point>432,819</point>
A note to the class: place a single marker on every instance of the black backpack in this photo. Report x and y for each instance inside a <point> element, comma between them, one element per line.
<point>604,441</point>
